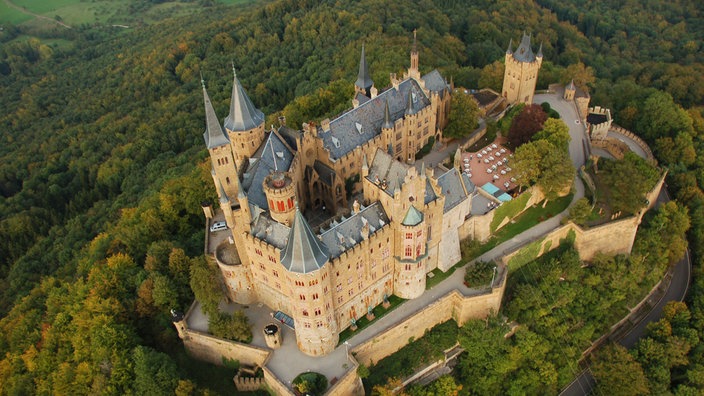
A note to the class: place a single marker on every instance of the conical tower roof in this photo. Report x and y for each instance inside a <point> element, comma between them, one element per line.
<point>409,105</point>
<point>304,253</point>
<point>214,135</point>
<point>510,47</point>
<point>364,81</point>
<point>387,117</point>
<point>243,115</point>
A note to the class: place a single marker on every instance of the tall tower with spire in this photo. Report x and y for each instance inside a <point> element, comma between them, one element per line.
<point>364,84</point>
<point>218,144</point>
<point>413,71</point>
<point>521,72</point>
<point>244,124</point>
<point>305,259</point>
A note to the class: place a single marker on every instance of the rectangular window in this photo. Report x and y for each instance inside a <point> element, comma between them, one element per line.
<point>409,235</point>
<point>409,251</point>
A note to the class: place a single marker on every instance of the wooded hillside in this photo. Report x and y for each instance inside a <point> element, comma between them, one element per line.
<point>103,166</point>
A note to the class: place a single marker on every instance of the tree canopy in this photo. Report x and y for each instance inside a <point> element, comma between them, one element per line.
<point>463,116</point>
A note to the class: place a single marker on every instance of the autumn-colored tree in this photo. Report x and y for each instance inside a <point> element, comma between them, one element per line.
<point>526,124</point>
<point>556,132</point>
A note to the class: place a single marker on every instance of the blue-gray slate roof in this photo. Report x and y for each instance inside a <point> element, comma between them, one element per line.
<point>524,53</point>
<point>387,168</point>
<point>364,80</point>
<point>435,82</point>
<point>430,195</point>
<point>243,115</point>
<point>270,231</point>
<point>304,253</point>
<point>453,188</point>
<point>359,125</point>
<point>214,135</point>
<point>326,174</point>
<point>347,233</point>
<point>272,155</point>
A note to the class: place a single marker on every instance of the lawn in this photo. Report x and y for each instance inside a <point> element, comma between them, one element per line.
<point>362,322</point>
<point>526,220</point>
<point>11,15</point>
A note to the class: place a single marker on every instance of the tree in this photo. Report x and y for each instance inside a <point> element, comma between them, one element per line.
<point>662,117</point>
<point>618,373</point>
<point>526,124</point>
<point>546,166</point>
<point>580,211</point>
<point>492,76</point>
<point>444,385</point>
<point>627,180</point>
<point>231,327</point>
<point>388,388</point>
<point>155,373</point>
<point>463,116</point>
<point>581,74</point>
<point>205,282</point>
<point>556,132</point>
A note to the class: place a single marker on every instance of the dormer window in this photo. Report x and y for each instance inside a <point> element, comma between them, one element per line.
<point>336,142</point>
<point>359,127</point>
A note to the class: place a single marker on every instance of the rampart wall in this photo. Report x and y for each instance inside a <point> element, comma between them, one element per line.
<point>453,305</point>
<point>621,131</point>
<point>211,349</point>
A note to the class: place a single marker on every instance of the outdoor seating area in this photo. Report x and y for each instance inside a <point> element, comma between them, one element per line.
<point>491,164</point>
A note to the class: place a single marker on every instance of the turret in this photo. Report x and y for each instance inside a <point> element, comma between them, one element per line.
<point>521,72</point>
<point>244,124</point>
<point>305,258</point>
<point>409,274</point>
<point>364,83</point>
<point>280,191</point>
<point>413,70</point>
<point>218,144</point>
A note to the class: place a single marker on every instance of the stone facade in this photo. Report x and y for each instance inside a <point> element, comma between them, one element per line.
<point>521,72</point>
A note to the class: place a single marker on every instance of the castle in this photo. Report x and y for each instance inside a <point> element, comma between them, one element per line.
<point>405,226</point>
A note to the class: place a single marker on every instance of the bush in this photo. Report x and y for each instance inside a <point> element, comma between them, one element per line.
<point>311,383</point>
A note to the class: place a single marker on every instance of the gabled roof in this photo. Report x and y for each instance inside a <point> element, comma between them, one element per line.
<point>243,115</point>
<point>344,136</point>
<point>364,81</point>
<point>271,156</point>
<point>304,253</point>
<point>413,217</point>
<point>524,53</point>
<point>347,233</point>
<point>214,135</point>
<point>435,82</point>
<point>326,174</point>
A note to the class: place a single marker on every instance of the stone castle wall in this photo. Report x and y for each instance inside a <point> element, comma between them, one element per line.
<point>453,305</point>
<point>621,131</point>
<point>205,347</point>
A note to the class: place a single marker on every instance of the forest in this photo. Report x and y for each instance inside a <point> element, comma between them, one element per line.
<point>103,167</point>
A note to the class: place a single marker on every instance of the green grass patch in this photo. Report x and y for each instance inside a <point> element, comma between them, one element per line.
<point>439,276</point>
<point>526,220</point>
<point>413,356</point>
<point>509,210</point>
<point>10,15</point>
<point>43,6</point>
<point>379,312</point>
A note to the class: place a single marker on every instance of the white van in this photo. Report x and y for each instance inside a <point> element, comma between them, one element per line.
<point>218,226</point>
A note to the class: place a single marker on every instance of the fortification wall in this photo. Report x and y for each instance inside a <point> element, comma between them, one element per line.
<point>452,305</point>
<point>621,131</point>
<point>211,349</point>
<point>246,384</point>
<point>349,385</point>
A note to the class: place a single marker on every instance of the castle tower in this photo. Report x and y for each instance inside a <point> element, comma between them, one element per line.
<point>409,271</point>
<point>521,73</point>
<point>280,191</point>
<point>410,121</point>
<point>570,90</point>
<point>244,124</point>
<point>305,259</point>
<point>364,83</point>
<point>218,144</point>
<point>413,71</point>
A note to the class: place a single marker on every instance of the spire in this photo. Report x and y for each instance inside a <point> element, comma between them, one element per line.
<point>540,51</point>
<point>214,135</point>
<point>303,253</point>
<point>240,190</point>
<point>243,115</point>
<point>364,81</point>
<point>409,105</point>
<point>365,164</point>
<point>510,47</point>
<point>571,86</point>
<point>415,47</point>
<point>387,117</point>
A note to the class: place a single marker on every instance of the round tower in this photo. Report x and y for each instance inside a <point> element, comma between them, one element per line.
<point>312,309</point>
<point>280,191</point>
<point>409,271</point>
<point>237,277</point>
<point>272,336</point>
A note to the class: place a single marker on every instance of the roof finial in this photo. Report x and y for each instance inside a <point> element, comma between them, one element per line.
<point>414,39</point>
<point>234,72</point>
<point>202,81</point>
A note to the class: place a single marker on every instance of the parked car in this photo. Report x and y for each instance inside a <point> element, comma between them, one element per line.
<point>218,226</point>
